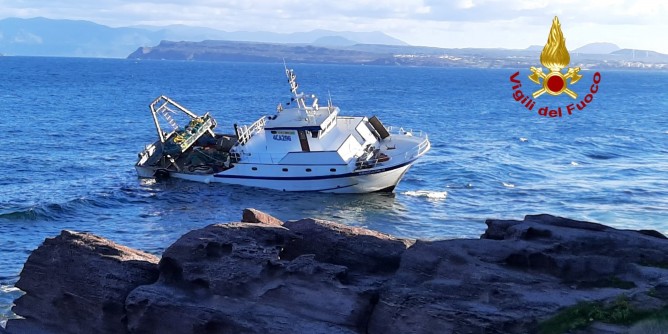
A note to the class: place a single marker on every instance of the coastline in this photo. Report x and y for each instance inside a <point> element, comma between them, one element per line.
<point>387,55</point>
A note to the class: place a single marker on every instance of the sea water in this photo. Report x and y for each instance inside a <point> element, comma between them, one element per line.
<point>71,129</point>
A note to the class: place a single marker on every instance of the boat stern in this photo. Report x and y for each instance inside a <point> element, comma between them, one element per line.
<point>145,165</point>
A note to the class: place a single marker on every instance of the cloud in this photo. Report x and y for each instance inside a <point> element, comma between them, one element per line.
<point>128,12</point>
<point>461,23</point>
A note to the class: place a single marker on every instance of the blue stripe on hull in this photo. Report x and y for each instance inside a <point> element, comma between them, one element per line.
<point>311,178</point>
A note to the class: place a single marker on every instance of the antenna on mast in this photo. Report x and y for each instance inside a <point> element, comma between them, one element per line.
<point>292,77</point>
<point>285,66</point>
<point>330,107</point>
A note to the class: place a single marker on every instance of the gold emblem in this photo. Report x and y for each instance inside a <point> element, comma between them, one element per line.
<point>555,57</point>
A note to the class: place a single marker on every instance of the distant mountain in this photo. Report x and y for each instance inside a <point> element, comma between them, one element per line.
<point>374,37</point>
<point>333,41</point>
<point>535,48</point>
<point>180,32</point>
<point>309,37</point>
<point>46,37</point>
<point>640,55</point>
<point>597,48</point>
<point>68,38</point>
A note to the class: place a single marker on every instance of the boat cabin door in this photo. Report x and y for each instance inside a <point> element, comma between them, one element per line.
<point>303,140</point>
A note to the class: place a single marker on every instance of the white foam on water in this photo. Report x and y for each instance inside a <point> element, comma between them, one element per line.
<point>8,288</point>
<point>522,139</point>
<point>7,293</point>
<point>428,194</point>
<point>575,163</point>
<point>508,185</point>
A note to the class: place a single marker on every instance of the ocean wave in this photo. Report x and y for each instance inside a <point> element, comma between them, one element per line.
<point>437,195</point>
<point>508,185</point>
<point>45,212</point>
<point>50,211</point>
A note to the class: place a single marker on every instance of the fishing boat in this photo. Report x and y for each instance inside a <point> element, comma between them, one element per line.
<point>301,147</point>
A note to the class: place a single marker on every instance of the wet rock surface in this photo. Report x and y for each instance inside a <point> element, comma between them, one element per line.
<point>315,276</point>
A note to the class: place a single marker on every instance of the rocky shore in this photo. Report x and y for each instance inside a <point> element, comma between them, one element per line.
<point>262,275</point>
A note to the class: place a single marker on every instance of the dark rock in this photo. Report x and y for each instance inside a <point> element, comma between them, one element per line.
<point>257,216</point>
<point>660,290</point>
<point>641,302</point>
<point>534,227</point>
<point>224,257</point>
<point>652,326</point>
<point>579,251</point>
<point>519,273</point>
<point>602,328</point>
<point>77,283</point>
<point>545,219</point>
<point>249,288</point>
<point>356,248</point>
<point>314,276</point>
<point>454,286</point>
<point>653,233</point>
<point>497,229</point>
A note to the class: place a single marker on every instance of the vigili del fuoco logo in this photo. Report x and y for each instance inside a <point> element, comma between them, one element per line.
<point>554,81</point>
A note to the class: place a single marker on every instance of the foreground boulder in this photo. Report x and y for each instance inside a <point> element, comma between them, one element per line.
<point>255,278</point>
<point>518,273</point>
<point>77,283</point>
<point>314,276</point>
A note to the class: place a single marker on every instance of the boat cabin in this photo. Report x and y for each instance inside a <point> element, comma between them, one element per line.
<point>304,134</point>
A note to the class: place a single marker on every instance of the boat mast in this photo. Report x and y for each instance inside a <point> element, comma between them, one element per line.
<point>292,77</point>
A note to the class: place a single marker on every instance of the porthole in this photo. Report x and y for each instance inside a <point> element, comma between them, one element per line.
<point>254,168</point>
<point>308,170</point>
<point>332,169</point>
<point>285,169</point>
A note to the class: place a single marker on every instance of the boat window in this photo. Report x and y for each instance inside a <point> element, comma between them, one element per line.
<point>254,168</point>
<point>285,169</point>
<point>332,169</point>
<point>315,134</point>
<point>361,137</point>
<point>308,170</point>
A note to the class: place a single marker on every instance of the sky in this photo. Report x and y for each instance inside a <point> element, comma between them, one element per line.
<point>512,24</point>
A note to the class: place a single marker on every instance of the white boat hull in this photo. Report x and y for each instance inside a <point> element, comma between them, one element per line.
<point>364,181</point>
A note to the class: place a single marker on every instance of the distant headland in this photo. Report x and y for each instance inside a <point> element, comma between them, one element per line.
<point>401,55</point>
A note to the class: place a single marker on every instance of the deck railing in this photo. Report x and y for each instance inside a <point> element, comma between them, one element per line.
<point>245,132</point>
<point>395,130</point>
<point>418,150</point>
<point>413,153</point>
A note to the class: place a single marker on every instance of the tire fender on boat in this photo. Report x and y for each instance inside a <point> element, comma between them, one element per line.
<point>161,174</point>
